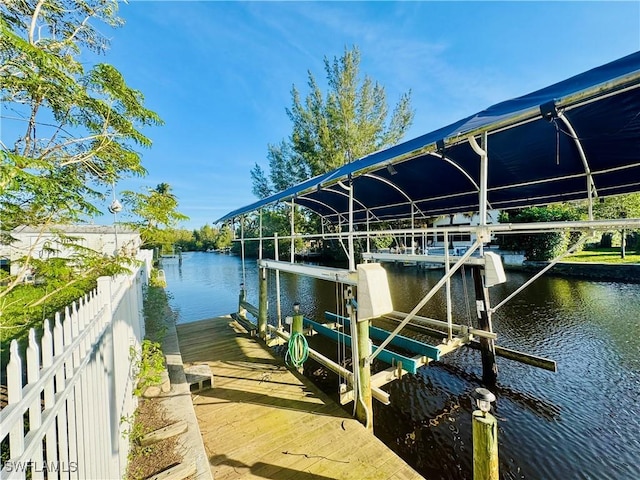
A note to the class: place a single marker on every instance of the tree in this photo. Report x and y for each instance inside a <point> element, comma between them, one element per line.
<point>224,238</point>
<point>347,123</point>
<point>76,128</point>
<point>70,131</point>
<point>153,212</point>
<point>619,206</point>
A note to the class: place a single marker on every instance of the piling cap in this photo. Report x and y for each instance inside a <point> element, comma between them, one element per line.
<point>483,398</point>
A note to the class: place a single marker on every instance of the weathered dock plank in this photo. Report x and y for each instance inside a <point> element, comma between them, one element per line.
<point>261,420</point>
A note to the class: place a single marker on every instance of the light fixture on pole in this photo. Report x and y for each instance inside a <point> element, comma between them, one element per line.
<point>483,398</point>
<point>115,208</point>
<point>485,437</point>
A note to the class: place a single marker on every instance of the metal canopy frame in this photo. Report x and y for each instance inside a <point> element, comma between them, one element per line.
<point>570,141</point>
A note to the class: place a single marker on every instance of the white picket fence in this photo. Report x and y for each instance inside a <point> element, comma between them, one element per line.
<point>66,421</point>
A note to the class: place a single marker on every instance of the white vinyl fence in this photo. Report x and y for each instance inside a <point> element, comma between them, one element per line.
<point>65,421</point>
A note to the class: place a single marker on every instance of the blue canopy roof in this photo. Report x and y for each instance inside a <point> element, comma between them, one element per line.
<point>548,146</point>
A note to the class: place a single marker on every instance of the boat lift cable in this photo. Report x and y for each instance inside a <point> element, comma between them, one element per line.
<point>466,295</point>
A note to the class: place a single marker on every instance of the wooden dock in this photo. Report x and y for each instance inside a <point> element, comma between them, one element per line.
<point>260,420</point>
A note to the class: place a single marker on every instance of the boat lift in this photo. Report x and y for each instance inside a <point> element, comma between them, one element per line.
<point>575,140</point>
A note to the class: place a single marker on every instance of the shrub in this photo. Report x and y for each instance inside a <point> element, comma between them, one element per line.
<point>148,365</point>
<point>540,246</point>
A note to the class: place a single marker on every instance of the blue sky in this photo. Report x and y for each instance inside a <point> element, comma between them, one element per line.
<point>220,73</point>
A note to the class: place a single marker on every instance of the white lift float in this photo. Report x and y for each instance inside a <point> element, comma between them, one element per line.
<point>576,140</point>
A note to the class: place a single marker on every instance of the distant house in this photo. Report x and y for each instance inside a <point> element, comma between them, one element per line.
<point>436,239</point>
<point>39,243</point>
<point>460,220</point>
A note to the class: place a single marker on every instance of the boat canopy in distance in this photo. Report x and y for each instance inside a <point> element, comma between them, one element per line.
<point>572,140</point>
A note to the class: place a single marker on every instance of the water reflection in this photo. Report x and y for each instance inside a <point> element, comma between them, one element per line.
<point>581,422</point>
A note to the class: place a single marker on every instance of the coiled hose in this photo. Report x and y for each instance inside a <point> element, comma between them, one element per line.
<point>297,350</point>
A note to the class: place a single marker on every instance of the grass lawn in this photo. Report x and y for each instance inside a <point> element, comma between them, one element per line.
<point>605,255</point>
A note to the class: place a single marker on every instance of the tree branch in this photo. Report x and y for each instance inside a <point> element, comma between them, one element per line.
<point>34,19</point>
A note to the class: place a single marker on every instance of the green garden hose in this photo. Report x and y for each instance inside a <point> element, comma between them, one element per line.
<point>297,350</point>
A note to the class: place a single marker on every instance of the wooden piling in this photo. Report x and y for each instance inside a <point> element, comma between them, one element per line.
<point>262,304</point>
<point>485,446</point>
<point>487,347</point>
<point>242,312</point>
<point>297,326</point>
<point>364,376</point>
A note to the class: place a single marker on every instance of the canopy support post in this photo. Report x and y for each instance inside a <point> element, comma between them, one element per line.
<point>448,288</point>
<point>262,303</point>
<point>349,250</point>
<point>244,276</point>
<point>293,229</point>
<point>413,227</point>
<point>276,249</point>
<point>368,234</point>
<point>352,260</point>
<point>483,196</point>
<point>260,241</point>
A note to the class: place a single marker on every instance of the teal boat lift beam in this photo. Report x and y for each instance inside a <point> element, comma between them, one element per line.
<point>411,365</point>
<point>399,341</point>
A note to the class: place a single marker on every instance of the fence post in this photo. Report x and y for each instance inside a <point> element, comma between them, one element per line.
<point>116,392</point>
<point>14,394</point>
<point>49,398</point>
<point>35,409</point>
<point>63,434</point>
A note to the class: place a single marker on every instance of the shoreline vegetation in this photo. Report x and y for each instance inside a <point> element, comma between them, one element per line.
<point>603,264</point>
<point>146,460</point>
<point>610,255</point>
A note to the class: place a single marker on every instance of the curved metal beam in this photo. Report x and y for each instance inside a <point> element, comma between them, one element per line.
<point>335,213</point>
<point>313,200</point>
<point>395,187</point>
<point>458,167</point>
<point>344,194</point>
<point>591,186</point>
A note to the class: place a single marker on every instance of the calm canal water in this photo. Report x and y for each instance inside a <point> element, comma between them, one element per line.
<point>582,422</point>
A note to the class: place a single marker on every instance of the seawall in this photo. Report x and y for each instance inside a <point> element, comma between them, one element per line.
<point>628,273</point>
